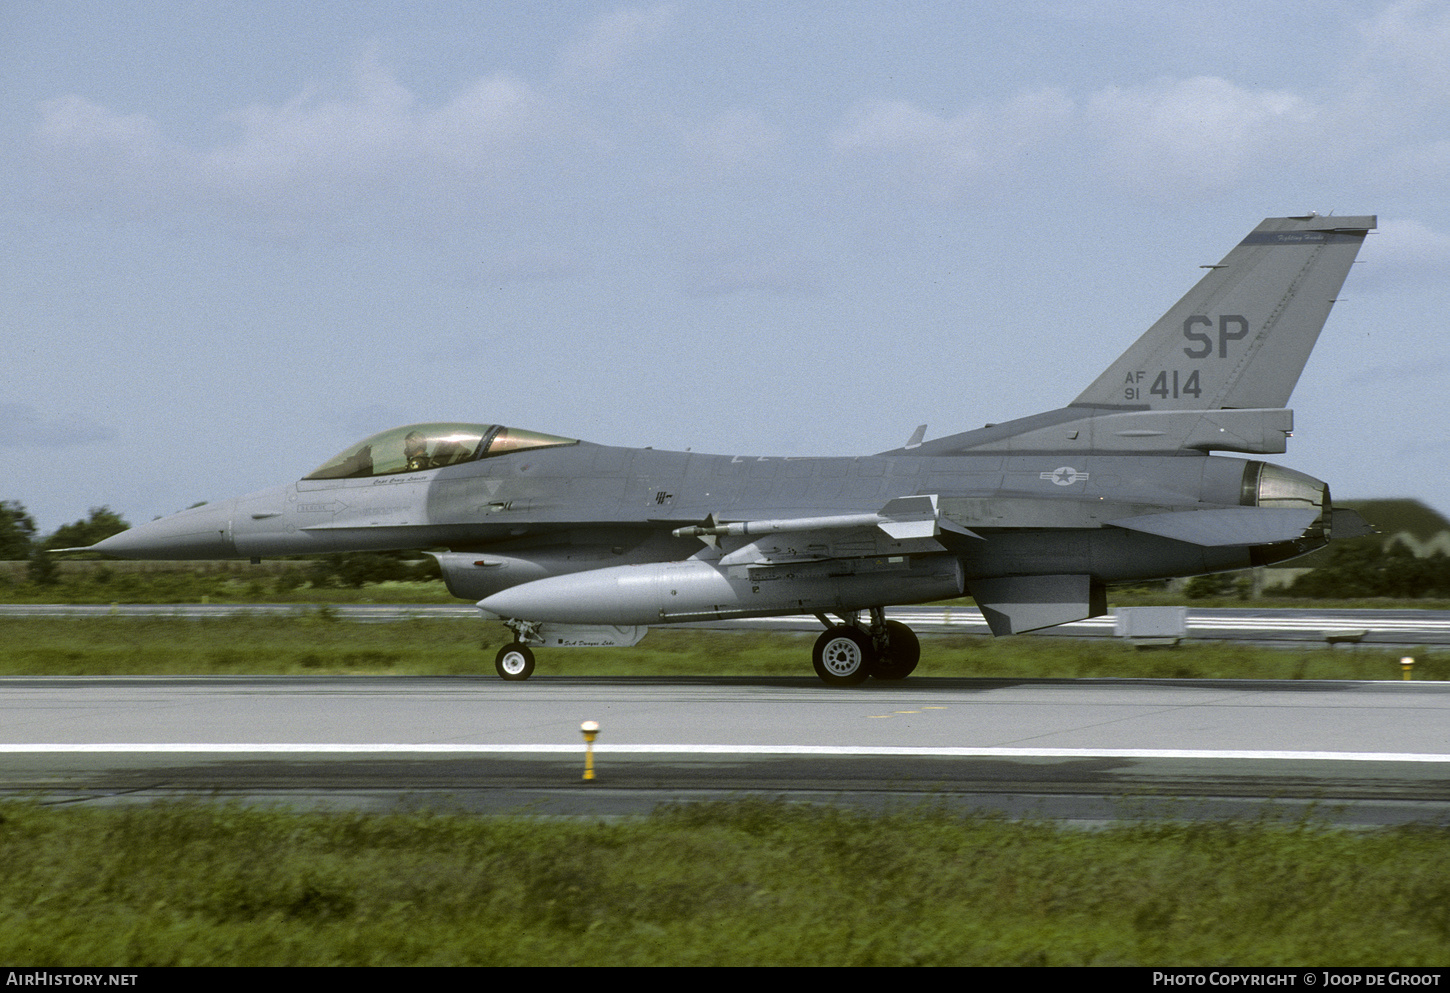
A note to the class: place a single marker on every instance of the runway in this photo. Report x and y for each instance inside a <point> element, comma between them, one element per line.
<point>1088,750</point>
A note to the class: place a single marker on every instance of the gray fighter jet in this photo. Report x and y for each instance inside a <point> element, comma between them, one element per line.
<point>572,543</point>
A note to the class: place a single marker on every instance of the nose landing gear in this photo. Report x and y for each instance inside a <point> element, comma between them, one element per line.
<point>514,661</point>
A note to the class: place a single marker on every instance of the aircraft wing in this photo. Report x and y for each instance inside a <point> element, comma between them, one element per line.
<point>1014,604</point>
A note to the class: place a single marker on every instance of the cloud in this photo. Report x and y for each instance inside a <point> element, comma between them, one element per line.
<point>25,427</point>
<point>377,149</point>
<point>119,159</point>
<point>349,155</point>
<point>612,41</point>
<point>736,141</point>
<point>76,122</point>
<point>1404,46</point>
<point>943,154</point>
<point>1404,250</point>
<point>1206,131</point>
<point>381,129</point>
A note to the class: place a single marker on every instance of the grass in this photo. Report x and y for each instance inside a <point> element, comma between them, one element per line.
<point>98,583</point>
<point>318,644</point>
<point>243,645</point>
<point>747,882</point>
<point>744,882</point>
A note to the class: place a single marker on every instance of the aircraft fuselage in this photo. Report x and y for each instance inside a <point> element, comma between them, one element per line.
<point>573,543</point>
<point>585,505</point>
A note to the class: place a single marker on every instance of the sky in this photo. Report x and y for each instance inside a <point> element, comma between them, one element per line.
<point>238,237</point>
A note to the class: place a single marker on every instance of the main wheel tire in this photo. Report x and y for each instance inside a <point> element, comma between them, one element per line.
<point>843,656</point>
<point>514,661</point>
<point>903,652</point>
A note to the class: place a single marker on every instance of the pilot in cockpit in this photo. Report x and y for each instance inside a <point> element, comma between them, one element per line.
<point>415,450</point>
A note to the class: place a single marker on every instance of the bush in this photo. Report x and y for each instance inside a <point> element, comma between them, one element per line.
<point>1355,570</point>
<point>353,570</point>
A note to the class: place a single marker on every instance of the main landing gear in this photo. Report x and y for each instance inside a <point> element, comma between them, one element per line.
<point>846,654</point>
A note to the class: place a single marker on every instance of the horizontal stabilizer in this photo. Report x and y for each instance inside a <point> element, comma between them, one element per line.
<point>1346,523</point>
<point>1014,604</point>
<point>1230,526</point>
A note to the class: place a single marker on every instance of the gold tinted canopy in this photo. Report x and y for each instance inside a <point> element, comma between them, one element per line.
<point>416,447</point>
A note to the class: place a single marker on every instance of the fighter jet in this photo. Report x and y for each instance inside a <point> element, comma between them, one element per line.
<point>567,542</point>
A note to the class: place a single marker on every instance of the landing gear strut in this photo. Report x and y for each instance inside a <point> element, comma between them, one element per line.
<point>899,657</point>
<point>515,661</point>
<point>846,654</point>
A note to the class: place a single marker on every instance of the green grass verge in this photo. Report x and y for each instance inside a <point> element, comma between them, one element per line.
<point>176,586</point>
<point>318,644</point>
<point>747,882</point>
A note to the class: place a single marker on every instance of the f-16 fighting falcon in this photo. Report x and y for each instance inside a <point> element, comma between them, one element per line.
<point>568,542</point>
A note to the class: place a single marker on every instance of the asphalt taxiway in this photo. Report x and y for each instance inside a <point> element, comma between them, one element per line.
<point>1355,752</point>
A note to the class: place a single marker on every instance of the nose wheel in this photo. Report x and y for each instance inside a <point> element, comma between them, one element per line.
<point>514,662</point>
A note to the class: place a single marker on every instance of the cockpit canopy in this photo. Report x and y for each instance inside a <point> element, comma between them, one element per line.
<point>416,447</point>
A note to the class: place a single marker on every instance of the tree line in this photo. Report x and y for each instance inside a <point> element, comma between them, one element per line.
<point>20,540</point>
<point>1351,570</point>
<point>1354,570</point>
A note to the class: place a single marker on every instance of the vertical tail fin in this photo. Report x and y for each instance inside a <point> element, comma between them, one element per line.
<point>1240,338</point>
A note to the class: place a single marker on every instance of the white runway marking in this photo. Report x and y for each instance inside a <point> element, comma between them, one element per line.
<point>516,749</point>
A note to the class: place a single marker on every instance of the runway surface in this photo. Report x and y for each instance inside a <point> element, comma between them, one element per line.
<point>1362,753</point>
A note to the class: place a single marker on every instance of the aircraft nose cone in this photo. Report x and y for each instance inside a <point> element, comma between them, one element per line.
<point>200,533</point>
